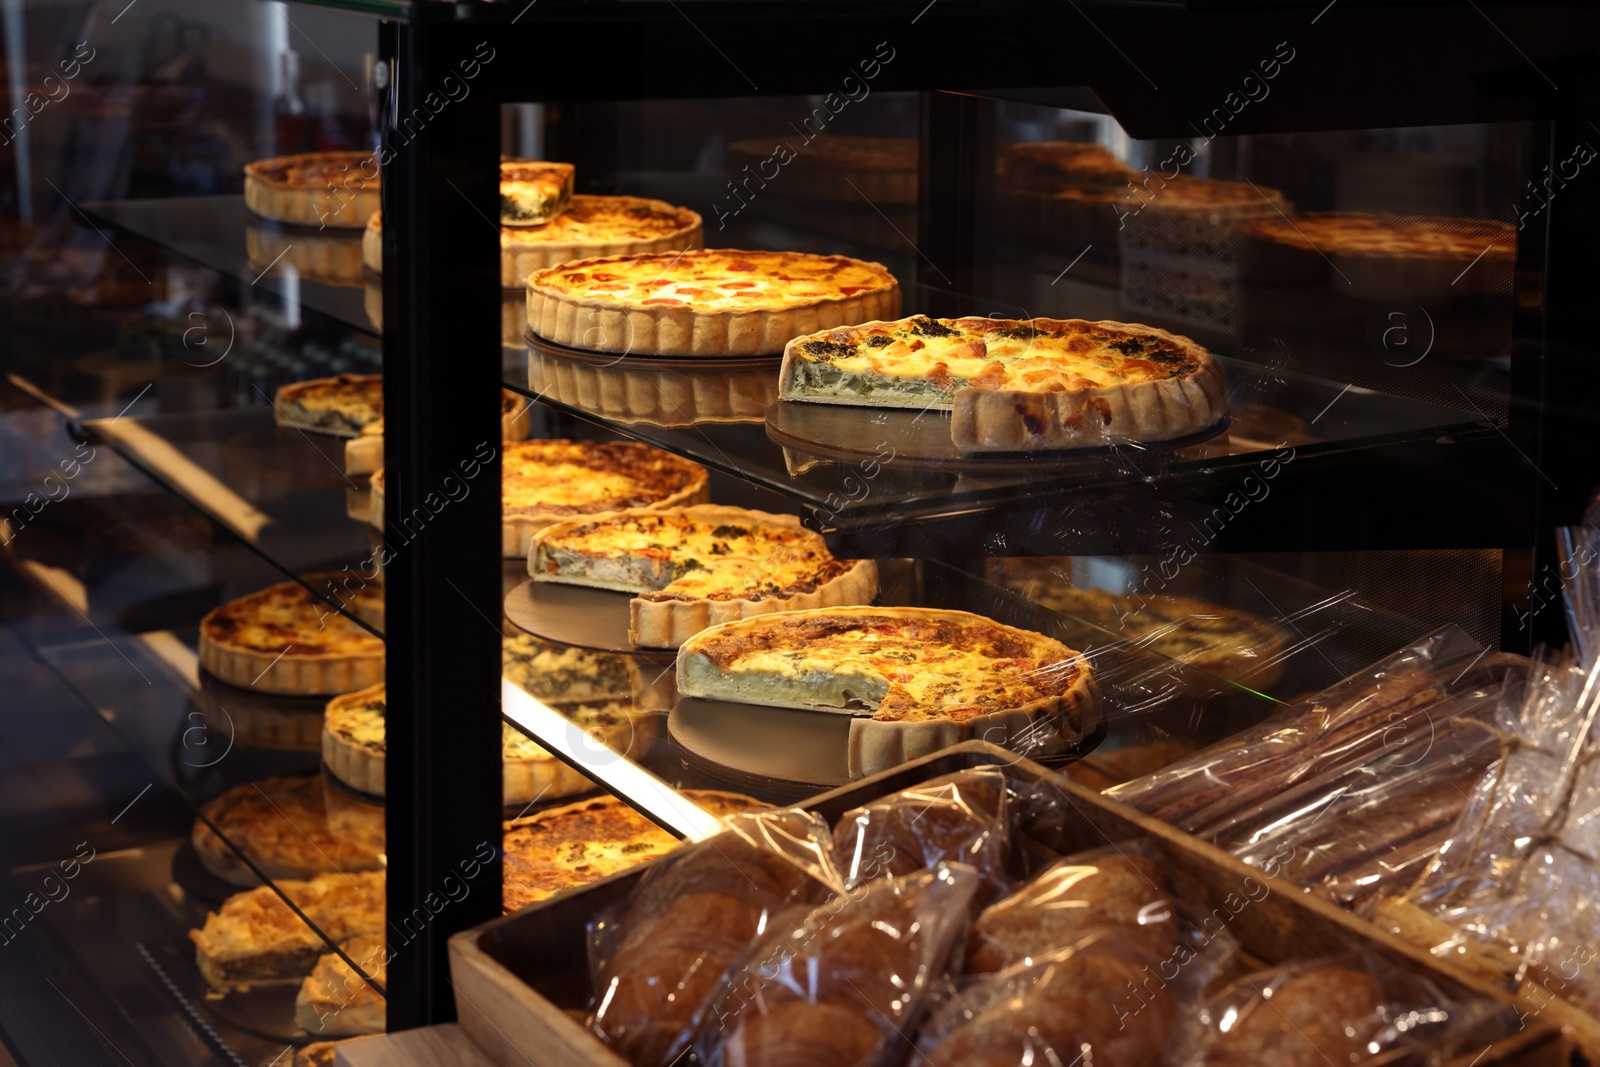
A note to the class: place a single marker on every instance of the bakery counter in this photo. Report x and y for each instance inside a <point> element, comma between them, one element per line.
<point>318,270</point>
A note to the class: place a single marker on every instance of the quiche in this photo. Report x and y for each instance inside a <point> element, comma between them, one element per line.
<point>321,189</point>
<point>353,746</point>
<point>532,193</point>
<point>284,639</point>
<point>345,405</point>
<point>318,1054</point>
<point>251,717</point>
<point>1230,644</point>
<point>363,454</point>
<point>1381,255</point>
<point>591,226</point>
<point>570,846</point>
<point>1017,385</point>
<point>714,302</point>
<point>542,482</point>
<point>558,673</point>
<point>697,566</point>
<point>917,679</point>
<point>1054,164</point>
<point>281,826</point>
<point>336,1001</point>
<point>255,938</point>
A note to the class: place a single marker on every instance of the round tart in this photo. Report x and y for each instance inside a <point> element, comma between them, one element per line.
<point>591,226</point>
<point>321,189</point>
<point>657,392</point>
<point>353,747</point>
<point>1053,165</point>
<point>280,824</point>
<point>284,639</point>
<point>347,405</point>
<point>334,260</point>
<point>1382,256</point>
<point>879,170</point>
<point>576,844</point>
<point>364,454</point>
<point>918,679</point>
<point>715,302</point>
<point>542,482</point>
<point>696,567</point>
<point>1017,385</point>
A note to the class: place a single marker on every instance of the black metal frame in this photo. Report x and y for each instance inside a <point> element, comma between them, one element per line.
<point>1358,65</point>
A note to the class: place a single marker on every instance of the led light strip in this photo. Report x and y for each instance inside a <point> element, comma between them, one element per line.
<point>620,775</point>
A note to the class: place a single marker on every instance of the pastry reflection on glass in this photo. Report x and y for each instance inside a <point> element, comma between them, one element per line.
<point>655,392</point>
<point>331,257</point>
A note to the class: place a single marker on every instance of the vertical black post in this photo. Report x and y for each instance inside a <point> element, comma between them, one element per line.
<point>441,326</point>
<point>955,201</point>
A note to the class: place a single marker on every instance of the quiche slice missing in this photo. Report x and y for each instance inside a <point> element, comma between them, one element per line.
<point>532,193</point>
<point>917,679</point>
<point>695,567</point>
<point>1016,385</point>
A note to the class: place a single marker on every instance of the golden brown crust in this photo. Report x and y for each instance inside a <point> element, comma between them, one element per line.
<point>336,1001</point>
<point>715,302</point>
<point>345,405</point>
<point>575,844</point>
<point>283,639</point>
<point>659,393</point>
<point>932,678</point>
<point>687,575</point>
<point>331,260</point>
<point>281,826</point>
<point>321,189</point>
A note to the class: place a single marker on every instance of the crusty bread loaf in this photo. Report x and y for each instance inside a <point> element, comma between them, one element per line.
<point>802,1033</point>
<point>1121,891</point>
<point>957,818</point>
<point>1323,1016</point>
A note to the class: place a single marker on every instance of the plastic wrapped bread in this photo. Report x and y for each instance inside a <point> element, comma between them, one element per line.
<point>957,818</point>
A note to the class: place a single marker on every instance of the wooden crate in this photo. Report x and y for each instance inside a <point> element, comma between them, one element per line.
<point>521,981</point>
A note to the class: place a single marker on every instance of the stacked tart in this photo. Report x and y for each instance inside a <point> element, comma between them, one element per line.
<point>714,302</point>
<point>694,567</point>
<point>321,189</point>
<point>879,170</point>
<point>916,679</point>
<point>285,639</point>
<point>1016,385</point>
<point>542,482</point>
<point>354,746</point>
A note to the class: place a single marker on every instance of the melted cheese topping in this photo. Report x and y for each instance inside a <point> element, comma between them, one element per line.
<point>580,843</point>
<point>940,356</point>
<point>684,553</point>
<point>288,616</point>
<point>333,983</point>
<point>1335,232</point>
<point>713,279</point>
<point>578,476</point>
<point>281,822</point>
<point>357,399</point>
<point>257,922</point>
<point>316,169</point>
<point>601,219</point>
<point>531,193</point>
<point>927,665</point>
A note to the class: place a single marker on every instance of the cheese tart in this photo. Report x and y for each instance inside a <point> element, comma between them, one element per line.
<point>281,826</point>
<point>284,639</point>
<point>336,190</point>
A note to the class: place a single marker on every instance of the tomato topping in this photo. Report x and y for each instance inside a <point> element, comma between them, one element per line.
<point>939,374</point>
<point>661,300</point>
<point>600,276</point>
<point>683,291</point>
<point>741,264</point>
<point>662,281</point>
<point>852,290</point>
<point>736,285</point>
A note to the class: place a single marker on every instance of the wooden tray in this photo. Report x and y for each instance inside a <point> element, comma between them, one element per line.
<point>521,981</point>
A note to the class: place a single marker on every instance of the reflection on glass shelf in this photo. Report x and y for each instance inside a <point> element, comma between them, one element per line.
<point>306,268</point>
<point>281,491</point>
<point>855,463</point>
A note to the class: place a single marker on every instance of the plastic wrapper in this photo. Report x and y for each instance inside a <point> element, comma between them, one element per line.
<point>846,984</point>
<point>1120,888</point>
<point>1344,1010</point>
<point>1284,760</point>
<point>659,959</point>
<point>957,818</point>
<point>1105,996</point>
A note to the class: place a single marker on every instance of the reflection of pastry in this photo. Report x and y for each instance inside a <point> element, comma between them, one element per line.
<point>716,302</point>
<point>542,482</point>
<point>333,259</point>
<point>249,716</point>
<point>281,826</point>
<point>872,170</point>
<point>580,843</point>
<point>930,678</point>
<point>1381,256</point>
<point>284,639</point>
<point>1051,165</point>
<point>659,393</point>
<point>345,405</point>
<point>560,674</point>
<point>353,747</point>
<point>1016,385</point>
<point>1228,643</point>
<point>698,566</point>
<point>335,1001</point>
<point>533,193</point>
<point>319,1054</point>
<point>255,938</point>
<point>364,454</point>
<point>322,189</point>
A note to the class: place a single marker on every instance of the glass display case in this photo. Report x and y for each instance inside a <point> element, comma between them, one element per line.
<point>211,568</point>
